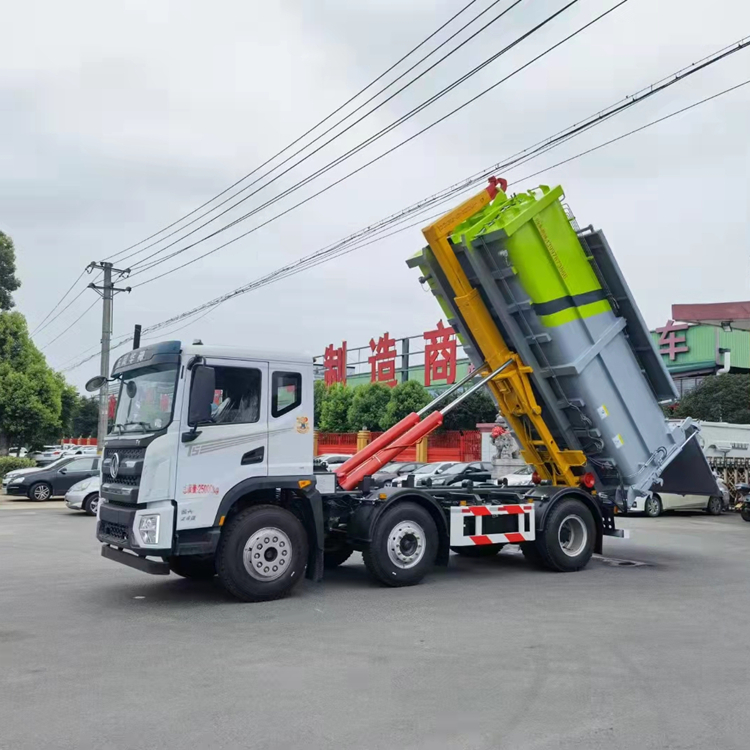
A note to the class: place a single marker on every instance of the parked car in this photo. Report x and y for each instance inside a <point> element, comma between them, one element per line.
<point>16,473</point>
<point>519,478</point>
<point>54,480</point>
<point>659,502</point>
<point>396,469</point>
<point>47,455</point>
<point>79,450</point>
<point>19,452</point>
<point>423,473</point>
<point>477,471</point>
<point>330,461</point>
<point>84,495</point>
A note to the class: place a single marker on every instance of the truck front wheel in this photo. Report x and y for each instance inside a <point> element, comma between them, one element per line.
<point>262,553</point>
<point>567,541</point>
<point>404,545</point>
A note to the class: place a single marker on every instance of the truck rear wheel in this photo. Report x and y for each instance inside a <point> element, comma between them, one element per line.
<point>262,553</point>
<point>193,566</point>
<point>404,545</point>
<point>567,541</point>
<point>478,550</point>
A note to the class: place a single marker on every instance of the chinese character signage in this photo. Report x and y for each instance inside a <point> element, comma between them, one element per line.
<point>440,355</point>
<point>383,360</point>
<point>670,343</point>
<point>334,364</point>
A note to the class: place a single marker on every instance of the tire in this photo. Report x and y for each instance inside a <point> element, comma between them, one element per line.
<point>278,538</point>
<point>335,557</point>
<point>745,515</point>
<point>653,507</point>
<point>193,566</point>
<point>568,539</point>
<point>404,545</point>
<point>40,492</point>
<point>478,550</point>
<point>90,504</point>
<point>715,506</point>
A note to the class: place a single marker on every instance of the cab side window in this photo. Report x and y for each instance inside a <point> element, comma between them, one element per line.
<point>286,392</point>
<point>237,395</point>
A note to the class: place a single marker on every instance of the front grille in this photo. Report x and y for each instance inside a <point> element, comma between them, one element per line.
<point>126,454</point>
<point>113,532</point>
<point>130,468</point>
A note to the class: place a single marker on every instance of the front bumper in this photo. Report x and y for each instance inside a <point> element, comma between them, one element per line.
<point>117,526</point>
<point>16,489</point>
<point>75,500</point>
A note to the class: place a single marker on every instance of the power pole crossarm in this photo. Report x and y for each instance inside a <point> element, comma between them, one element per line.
<point>107,291</point>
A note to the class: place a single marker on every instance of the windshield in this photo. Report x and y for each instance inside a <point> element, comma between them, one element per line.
<point>392,468</point>
<point>146,399</point>
<point>455,469</point>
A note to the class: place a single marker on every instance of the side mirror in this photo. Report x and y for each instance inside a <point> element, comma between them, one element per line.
<point>95,383</point>
<point>63,471</point>
<point>201,395</point>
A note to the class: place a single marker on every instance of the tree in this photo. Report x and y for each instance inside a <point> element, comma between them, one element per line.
<point>30,392</point>
<point>334,414</point>
<point>405,398</point>
<point>724,398</point>
<point>473,410</point>
<point>69,405</point>
<point>8,280</point>
<point>369,403</point>
<point>86,418</point>
<point>320,392</point>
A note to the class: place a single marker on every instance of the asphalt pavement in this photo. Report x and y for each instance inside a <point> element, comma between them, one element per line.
<point>487,654</point>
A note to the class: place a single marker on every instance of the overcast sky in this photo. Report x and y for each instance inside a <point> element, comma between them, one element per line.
<point>120,118</point>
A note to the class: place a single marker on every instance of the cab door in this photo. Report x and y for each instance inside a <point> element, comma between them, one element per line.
<point>230,449</point>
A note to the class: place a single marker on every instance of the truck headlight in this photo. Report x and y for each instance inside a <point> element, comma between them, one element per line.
<point>148,527</point>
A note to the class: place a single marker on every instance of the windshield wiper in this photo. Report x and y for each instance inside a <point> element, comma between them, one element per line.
<point>118,426</point>
<point>145,425</point>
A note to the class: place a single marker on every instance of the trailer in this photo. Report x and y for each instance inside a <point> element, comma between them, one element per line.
<point>208,469</point>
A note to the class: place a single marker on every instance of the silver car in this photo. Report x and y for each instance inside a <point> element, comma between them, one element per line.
<point>84,495</point>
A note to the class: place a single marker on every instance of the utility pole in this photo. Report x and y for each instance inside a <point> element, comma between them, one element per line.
<point>107,292</point>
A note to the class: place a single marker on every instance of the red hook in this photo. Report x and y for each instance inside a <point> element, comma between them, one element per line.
<point>492,188</point>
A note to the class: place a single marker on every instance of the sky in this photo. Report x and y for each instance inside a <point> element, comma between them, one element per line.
<point>118,119</point>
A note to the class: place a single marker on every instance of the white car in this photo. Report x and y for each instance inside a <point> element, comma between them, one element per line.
<point>84,495</point>
<point>423,473</point>
<point>48,455</point>
<point>519,478</point>
<point>661,501</point>
<point>331,461</point>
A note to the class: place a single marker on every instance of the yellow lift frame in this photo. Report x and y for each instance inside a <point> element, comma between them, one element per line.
<point>511,388</point>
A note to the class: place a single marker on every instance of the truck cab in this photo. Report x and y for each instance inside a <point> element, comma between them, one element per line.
<point>195,428</point>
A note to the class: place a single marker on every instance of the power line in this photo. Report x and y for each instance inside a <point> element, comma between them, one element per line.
<point>40,326</point>
<point>367,164</point>
<point>64,331</point>
<point>306,133</point>
<point>356,149</point>
<point>254,285</point>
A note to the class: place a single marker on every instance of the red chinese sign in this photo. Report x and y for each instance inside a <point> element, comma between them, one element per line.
<point>334,364</point>
<point>669,342</point>
<point>383,360</point>
<point>440,355</point>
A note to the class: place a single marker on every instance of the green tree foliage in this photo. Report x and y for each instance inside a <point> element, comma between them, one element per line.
<point>369,403</point>
<point>320,392</point>
<point>476,409</point>
<point>334,414</point>
<point>86,417</point>
<point>405,398</point>
<point>724,398</point>
<point>11,463</point>
<point>30,392</point>
<point>8,280</point>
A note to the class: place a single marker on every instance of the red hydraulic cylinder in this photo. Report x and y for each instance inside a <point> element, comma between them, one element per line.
<point>387,454</point>
<point>372,448</point>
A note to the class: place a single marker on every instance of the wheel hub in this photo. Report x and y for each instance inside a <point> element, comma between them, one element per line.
<point>406,544</point>
<point>572,535</point>
<point>267,554</point>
